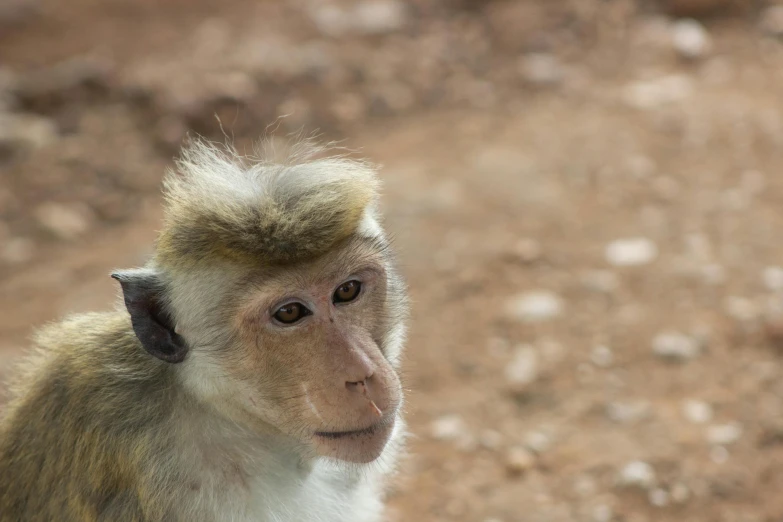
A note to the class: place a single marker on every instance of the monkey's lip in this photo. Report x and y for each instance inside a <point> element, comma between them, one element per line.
<point>353,433</point>
<point>370,430</point>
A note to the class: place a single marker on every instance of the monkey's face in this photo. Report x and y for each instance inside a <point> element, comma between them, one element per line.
<point>312,352</point>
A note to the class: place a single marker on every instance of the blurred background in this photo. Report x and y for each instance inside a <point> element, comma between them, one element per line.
<point>587,197</point>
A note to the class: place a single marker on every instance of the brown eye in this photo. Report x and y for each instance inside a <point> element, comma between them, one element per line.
<point>347,292</point>
<point>291,313</point>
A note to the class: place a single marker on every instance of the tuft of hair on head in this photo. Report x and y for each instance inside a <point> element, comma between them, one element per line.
<point>262,208</point>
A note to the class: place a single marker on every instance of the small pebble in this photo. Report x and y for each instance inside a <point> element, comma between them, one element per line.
<point>631,252</point>
<point>724,434</point>
<point>63,221</point>
<point>602,356</point>
<point>380,16</point>
<point>523,368</point>
<point>519,460</point>
<point>773,278</point>
<point>535,306</point>
<point>690,39</point>
<point>659,497</point>
<point>637,474</point>
<point>675,346</point>
<point>628,412</point>
<point>448,427</point>
<point>652,94</point>
<point>27,131</point>
<point>527,250</point>
<point>537,442</point>
<point>541,69</point>
<point>772,20</point>
<point>697,412</point>
<point>741,308</point>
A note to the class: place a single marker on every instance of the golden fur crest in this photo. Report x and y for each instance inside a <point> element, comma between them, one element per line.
<point>221,204</point>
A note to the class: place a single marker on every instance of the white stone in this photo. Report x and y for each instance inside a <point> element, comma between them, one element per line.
<point>773,278</point>
<point>724,434</point>
<point>538,441</point>
<point>626,412</point>
<point>675,346</point>
<point>637,474</point>
<point>631,251</point>
<point>690,39</point>
<point>519,460</point>
<point>65,222</point>
<point>535,306</point>
<point>541,69</point>
<point>697,412</point>
<point>741,308</point>
<point>658,497</point>
<point>367,17</point>
<point>655,93</point>
<point>26,130</point>
<point>523,368</point>
<point>448,427</point>
<point>602,356</point>
<point>772,20</point>
<point>380,16</point>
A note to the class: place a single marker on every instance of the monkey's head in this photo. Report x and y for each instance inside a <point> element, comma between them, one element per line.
<point>273,296</point>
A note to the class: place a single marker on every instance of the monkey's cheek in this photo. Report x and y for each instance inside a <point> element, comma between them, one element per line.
<point>358,448</point>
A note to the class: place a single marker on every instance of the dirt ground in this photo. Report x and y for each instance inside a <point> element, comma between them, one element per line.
<point>586,195</point>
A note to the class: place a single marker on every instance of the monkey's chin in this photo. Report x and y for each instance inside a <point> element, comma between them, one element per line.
<point>360,446</point>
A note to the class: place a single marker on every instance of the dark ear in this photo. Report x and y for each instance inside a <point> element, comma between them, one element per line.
<point>143,292</point>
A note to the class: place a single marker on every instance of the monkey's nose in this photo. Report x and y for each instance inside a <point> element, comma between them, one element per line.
<point>359,386</point>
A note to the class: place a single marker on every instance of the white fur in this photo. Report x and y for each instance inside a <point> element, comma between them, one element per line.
<point>369,226</point>
<point>246,477</point>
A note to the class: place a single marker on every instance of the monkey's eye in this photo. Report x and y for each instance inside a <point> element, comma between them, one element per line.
<point>347,292</point>
<point>291,313</point>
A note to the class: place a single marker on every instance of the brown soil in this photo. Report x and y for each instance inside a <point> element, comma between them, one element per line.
<point>518,140</point>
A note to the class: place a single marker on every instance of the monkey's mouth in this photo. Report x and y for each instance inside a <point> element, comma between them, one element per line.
<point>371,430</point>
<point>361,446</point>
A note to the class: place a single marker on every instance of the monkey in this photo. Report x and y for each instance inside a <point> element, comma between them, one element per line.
<point>250,370</point>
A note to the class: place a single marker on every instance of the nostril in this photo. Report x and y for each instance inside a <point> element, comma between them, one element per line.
<point>355,385</point>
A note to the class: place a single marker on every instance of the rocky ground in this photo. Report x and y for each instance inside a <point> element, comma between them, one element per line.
<point>587,197</point>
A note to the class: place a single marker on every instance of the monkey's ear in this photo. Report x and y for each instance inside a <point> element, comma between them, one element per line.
<point>143,293</point>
